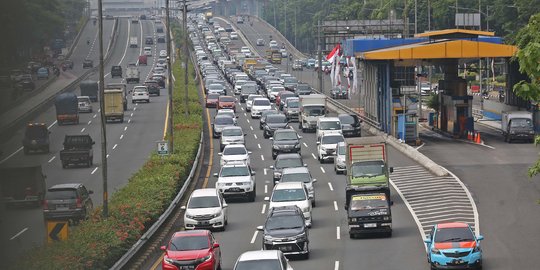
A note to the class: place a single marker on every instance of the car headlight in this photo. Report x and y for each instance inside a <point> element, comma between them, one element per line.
<point>512,132</point>
<point>168,260</point>
<point>435,251</point>
<point>301,236</point>
<point>207,258</point>
<point>275,146</point>
<point>189,216</point>
<point>323,149</point>
<point>386,218</point>
<point>531,131</point>
<point>277,174</point>
<point>297,145</point>
<point>353,219</point>
<point>306,209</point>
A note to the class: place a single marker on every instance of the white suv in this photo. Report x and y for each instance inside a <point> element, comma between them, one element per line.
<point>300,174</point>
<point>234,153</point>
<point>327,145</point>
<point>262,259</point>
<point>260,105</point>
<point>231,135</point>
<point>292,193</point>
<point>140,93</point>
<point>236,180</point>
<point>328,125</point>
<point>249,101</point>
<point>205,209</point>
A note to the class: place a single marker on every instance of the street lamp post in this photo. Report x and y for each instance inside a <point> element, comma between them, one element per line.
<point>105,211</point>
<point>319,53</point>
<point>169,79</point>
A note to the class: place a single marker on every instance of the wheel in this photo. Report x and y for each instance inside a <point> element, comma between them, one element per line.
<point>148,101</point>
<point>265,136</point>
<point>320,159</point>
<point>352,236</point>
<point>133,102</point>
<point>274,156</point>
<point>313,203</point>
<point>306,256</point>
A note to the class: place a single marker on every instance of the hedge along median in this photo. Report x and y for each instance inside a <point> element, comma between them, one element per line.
<point>98,243</point>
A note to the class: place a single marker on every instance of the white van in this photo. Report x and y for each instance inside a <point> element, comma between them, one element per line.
<point>328,125</point>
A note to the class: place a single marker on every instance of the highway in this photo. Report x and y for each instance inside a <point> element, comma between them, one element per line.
<point>129,143</point>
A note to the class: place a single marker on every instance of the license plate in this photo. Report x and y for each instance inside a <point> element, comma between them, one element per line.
<point>285,248</point>
<point>354,226</point>
<point>234,189</point>
<point>190,267</point>
<point>203,223</point>
<point>370,225</point>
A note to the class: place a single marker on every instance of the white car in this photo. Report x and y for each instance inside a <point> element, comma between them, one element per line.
<point>274,259</point>
<point>85,104</point>
<point>260,105</point>
<point>328,125</point>
<point>163,53</point>
<point>148,51</point>
<point>339,161</point>
<point>274,91</point>
<point>206,209</point>
<point>272,43</point>
<point>234,153</point>
<point>236,180</point>
<point>233,36</point>
<point>300,174</point>
<point>246,51</point>
<point>231,135</point>
<point>140,93</point>
<point>292,193</point>
<point>327,145</point>
<point>229,112</point>
<point>238,86</point>
<point>249,101</point>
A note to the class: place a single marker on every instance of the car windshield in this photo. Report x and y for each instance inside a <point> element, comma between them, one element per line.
<point>215,87</point>
<point>224,121</point>
<point>367,169</point>
<point>286,95</point>
<point>363,202</point>
<point>276,118</point>
<point>83,99</point>
<point>302,87</point>
<point>234,171</point>
<point>284,222</point>
<point>259,265</point>
<point>293,104</point>
<point>287,135</point>
<point>329,125</point>
<point>212,96</point>
<point>261,102</point>
<point>314,111</point>
<point>288,163</point>
<point>341,150</point>
<point>61,194</point>
<point>252,97</point>
<point>232,132</point>
<point>296,177</point>
<point>290,80</point>
<point>269,112</point>
<point>226,99</point>
<point>521,122</point>
<point>186,243</point>
<point>288,195</point>
<point>453,235</point>
<point>36,132</point>
<point>203,202</point>
<point>347,119</point>
<point>139,89</point>
<point>228,151</point>
<point>332,139</point>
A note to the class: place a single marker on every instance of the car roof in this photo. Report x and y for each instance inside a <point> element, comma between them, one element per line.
<point>256,255</point>
<point>204,192</point>
<point>191,233</point>
<point>295,170</point>
<point>289,185</point>
<point>328,119</point>
<point>452,225</point>
<point>65,186</point>
<point>289,155</point>
<point>234,146</point>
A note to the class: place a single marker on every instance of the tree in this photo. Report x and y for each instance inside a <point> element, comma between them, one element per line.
<point>528,56</point>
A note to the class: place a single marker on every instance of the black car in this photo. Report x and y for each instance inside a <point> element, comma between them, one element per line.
<point>153,87</point>
<point>302,89</point>
<point>116,71</point>
<point>26,84</point>
<point>339,92</point>
<point>350,125</point>
<point>159,29</point>
<point>264,114</point>
<point>292,160</point>
<point>87,63</point>
<point>274,122</point>
<point>36,138</point>
<point>285,230</point>
<point>285,141</point>
<point>149,41</point>
<point>161,39</point>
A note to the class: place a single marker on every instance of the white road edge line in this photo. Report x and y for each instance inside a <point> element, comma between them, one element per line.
<point>263,209</point>
<point>19,233</point>
<point>115,145</point>
<point>50,160</point>
<point>11,155</point>
<point>338,236</point>
<point>254,237</point>
<point>330,186</point>
<point>94,170</point>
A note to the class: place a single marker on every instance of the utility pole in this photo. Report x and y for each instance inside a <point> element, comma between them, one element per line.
<point>186,60</point>
<point>105,211</point>
<point>319,70</point>
<point>169,79</point>
<point>415,17</point>
<point>429,15</point>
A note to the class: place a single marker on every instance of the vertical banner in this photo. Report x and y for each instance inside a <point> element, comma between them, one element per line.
<point>355,75</point>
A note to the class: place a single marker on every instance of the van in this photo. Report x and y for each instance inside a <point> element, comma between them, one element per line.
<point>328,125</point>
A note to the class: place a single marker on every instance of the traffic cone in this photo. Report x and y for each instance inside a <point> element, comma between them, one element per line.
<point>469,135</point>
<point>478,139</point>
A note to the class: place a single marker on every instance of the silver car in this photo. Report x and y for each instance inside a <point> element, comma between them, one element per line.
<point>231,135</point>
<point>221,121</point>
<point>300,174</point>
<point>85,104</point>
<point>339,161</point>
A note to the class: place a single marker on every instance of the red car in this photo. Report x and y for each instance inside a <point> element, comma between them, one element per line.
<point>226,102</point>
<point>195,249</point>
<point>212,100</point>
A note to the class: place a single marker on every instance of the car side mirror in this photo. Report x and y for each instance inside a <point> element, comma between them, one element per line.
<point>299,137</point>
<point>215,175</point>
<point>225,205</point>
<point>272,167</point>
<point>253,173</point>
<point>220,154</point>
<point>480,238</point>
<point>249,152</point>
<point>391,169</point>
<point>314,180</point>
<point>427,241</point>
<point>163,248</point>
<point>90,192</point>
<point>318,143</point>
<point>183,207</point>
<point>216,245</point>
<point>305,165</point>
<point>260,228</point>
<point>267,198</point>
<point>271,138</point>
<point>245,134</point>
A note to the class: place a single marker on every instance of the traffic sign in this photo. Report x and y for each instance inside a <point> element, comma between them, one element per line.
<point>163,148</point>
<point>57,231</point>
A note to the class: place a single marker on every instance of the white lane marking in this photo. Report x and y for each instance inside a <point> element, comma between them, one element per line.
<point>83,129</point>
<point>125,128</point>
<point>95,115</point>
<point>335,206</point>
<point>262,157</point>
<point>264,171</point>
<point>254,237</point>
<point>255,135</point>
<point>127,46</point>
<point>129,120</point>
<point>336,265</point>
<point>131,115</point>
<point>115,145</point>
<point>305,144</point>
<point>242,108</point>
<point>330,186</point>
<point>338,236</point>
<point>11,155</point>
<point>265,189</point>
<point>245,114</point>
<point>121,136</point>
<point>94,171</point>
<point>259,145</point>
<point>99,110</point>
<point>50,160</point>
<point>51,125</point>
<point>263,209</point>
<point>313,156</point>
<point>322,169</point>
<point>247,120</point>
<point>18,234</point>
<point>251,127</point>
<point>89,122</point>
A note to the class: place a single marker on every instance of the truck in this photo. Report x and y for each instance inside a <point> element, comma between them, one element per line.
<point>113,99</point>
<point>90,89</point>
<point>119,86</point>
<point>273,56</point>
<point>248,62</point>
<point>22,185</point>
<point>77,150</point>
<point>67,108</point>
<point>517,125</point>
<point>311,108</point>
<point>133,42</point>
<point>132,75</point>
<point>36,138</point>
<point>368,213</point>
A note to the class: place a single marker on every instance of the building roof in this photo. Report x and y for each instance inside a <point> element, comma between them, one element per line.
<point>454,33</point>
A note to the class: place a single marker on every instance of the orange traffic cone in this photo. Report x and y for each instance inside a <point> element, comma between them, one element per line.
<point>478,139</point>
<point>469,135</point>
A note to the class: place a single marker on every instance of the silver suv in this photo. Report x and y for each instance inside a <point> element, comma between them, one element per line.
<point>67,201</point>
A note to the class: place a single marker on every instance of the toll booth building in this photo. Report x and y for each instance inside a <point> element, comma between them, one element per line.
<point>389,71</point>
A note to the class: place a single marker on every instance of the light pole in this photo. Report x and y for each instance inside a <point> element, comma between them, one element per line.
<point>105,211</point>
<point>169,79</point>
<point>186,59</point>
<point>319,55</point>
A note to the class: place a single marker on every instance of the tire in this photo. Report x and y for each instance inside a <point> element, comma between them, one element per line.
<point>306,256</point>
<point>313,204</point>
<point>274,156</point>
<point>265,136</point>
<point>148,101</point>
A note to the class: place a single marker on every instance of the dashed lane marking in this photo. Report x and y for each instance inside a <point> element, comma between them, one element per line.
<point>50,160</point>
<point>115,145</point>
<point>83,129</point>
<point>336,265</point>
<point>89,122</point>
<point>338,234</point>
<point>262,157</point>
<point>263,209</point>
<point>265,189</point>
<point>335,206</point>
<point>94,170</point>
<point>264,171</point>
<point>305,144</point>
<point>259,145</point>
<point>255,135</point>
<point>121,136</point>
<point>330,186</point>
<point>313,156</point>
<point>322,169</point>
<point>254,237</point>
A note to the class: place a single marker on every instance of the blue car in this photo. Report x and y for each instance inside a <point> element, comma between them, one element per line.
<point>454,246</point>
<point>43,73</point>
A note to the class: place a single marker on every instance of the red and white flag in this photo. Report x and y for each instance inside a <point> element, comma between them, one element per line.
<point>333,54</point>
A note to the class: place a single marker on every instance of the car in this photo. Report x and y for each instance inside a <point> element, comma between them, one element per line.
<point>221,121</point>
<point>453,245</point>
<point>249,101</point>
<point>42,73</point>
<point>206,209</point>
<point>148,51</point>
<point>339,92</point>
<point>116,71</point>
<point>163,53</point>
<point>226,102</point>
<point>159,29</point>
<point>328,125</point>
<point>228,112</point>
<point>26,84</point>
<point>259,105</point>
<point>85,104</point>
<point>160,79</point>
<point>283,161</point>
<point>161,39</point>
<point>262,259</point>
<point>264,114</point>
<point>217,89</point>
<point>231,135</point>
<point>285,141</point>
<point>274,122</point>
<point>239,19</point>
<point>326,146</point>
<point>274,91</point>
<point>212,100</point>
<point>149,40</point>
<point>281,96</point>
<point>300,174</point>
<point>260,42</point>
<point>292,193</point>
<point>234,153</point>
<point>285,230</point>
<point>36,138</point>
<point>200,246</point>
<point>153,87</point>
<point>291,108</point>
<point>303,89</point>
<point>140,93</point>
<point>68,64</point>
<point>143,60</point>
<point>350,125</point>
<point>233,35</point>
<point>273,43</point>
<point>340,165</point>
<point>297,65</point>
<point>70,201</point>
<point>236,180</point>
<point>87,63</point>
